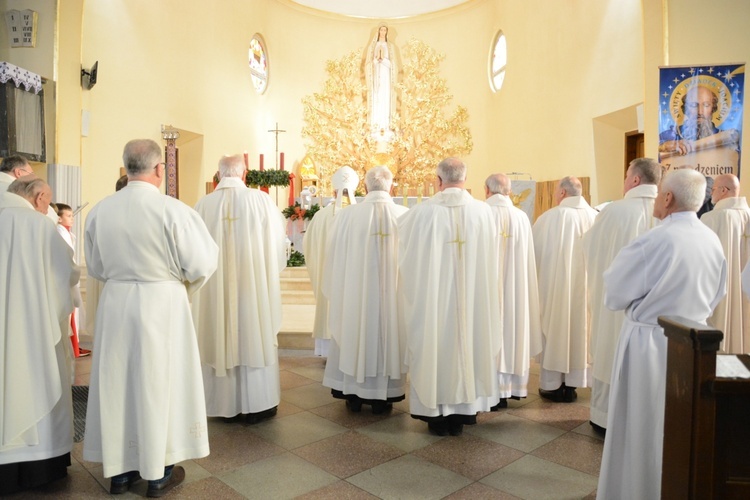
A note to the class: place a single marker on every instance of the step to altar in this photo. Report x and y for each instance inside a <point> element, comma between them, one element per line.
<point>297,309</point>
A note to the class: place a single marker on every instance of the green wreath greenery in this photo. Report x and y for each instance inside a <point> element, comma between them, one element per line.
<point>265,178</point>
<point>295,211</point>
<point>296,259</point>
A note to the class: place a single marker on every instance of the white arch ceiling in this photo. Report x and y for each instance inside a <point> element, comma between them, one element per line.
<point>382,9</point>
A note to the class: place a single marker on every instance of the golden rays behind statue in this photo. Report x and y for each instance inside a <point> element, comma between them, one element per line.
<point>386,160</point>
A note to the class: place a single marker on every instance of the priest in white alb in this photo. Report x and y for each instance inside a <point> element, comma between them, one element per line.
<point>237,314</point>
<point>11,168</point>
<point>146,408</point>
<point>450,307</point>
<point>14,167</point>
<point>675,269</point>
<point>344,182</point>
<point>617,225</point>
<point>38,273</point>
<point>562,292</point>
<point>730,219</point>
<point>519,293</point>
<point>365,357</point>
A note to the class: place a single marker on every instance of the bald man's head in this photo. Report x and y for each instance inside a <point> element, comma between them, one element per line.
<point>725,186</point>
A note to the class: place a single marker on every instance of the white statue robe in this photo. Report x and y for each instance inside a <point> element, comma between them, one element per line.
<point>562,289</point>
<point>450,308</point>
<point>729,220</point>
<point>365,357</point>
<point>237,314</point>
<point>146,405</point>
<point>619,223</point>
<point>521,314</point>
<point>381,87</point>
<point>36,409</point>
<point>315,245</point>
<point>676,269</point>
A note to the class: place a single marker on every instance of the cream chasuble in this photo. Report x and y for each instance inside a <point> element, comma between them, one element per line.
<point>617,225</point>
<point>36,412</point>
<point>315,246</point>
<point>360,285</point>
<point>146,404</point>
<point>521,314</point>
<point>676,269</point>
<point>448,299</point>
<point>237,314</point>
<point>729,220</point>
<point>562,283</point>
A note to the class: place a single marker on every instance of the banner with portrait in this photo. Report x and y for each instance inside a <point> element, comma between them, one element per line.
<point>700,118</point>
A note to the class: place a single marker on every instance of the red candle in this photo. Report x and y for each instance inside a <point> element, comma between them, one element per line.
<point>261,162</point>
<point>291,190</point>
<point>247,161</point>
<point>282,161</point>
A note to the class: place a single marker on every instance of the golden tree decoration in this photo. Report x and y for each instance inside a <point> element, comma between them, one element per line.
<point>338,130</point>
<point>424,135</point>
<point>336,120</point>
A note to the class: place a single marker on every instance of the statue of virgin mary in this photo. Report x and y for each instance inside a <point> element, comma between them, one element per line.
<point>381,69</point>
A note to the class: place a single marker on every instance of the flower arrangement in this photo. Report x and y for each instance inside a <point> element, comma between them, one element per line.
<point>296,212</point>
<point>266,178</point>
<point>296,259</point>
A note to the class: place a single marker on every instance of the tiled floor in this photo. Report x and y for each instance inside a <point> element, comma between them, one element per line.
<point>315,448</point>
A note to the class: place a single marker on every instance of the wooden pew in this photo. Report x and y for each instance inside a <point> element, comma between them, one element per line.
<point>706,420</point>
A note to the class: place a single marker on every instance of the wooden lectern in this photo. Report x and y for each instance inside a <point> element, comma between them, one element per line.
<point>706,418</point>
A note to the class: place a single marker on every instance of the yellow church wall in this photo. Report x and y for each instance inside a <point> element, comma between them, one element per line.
<point>69,93</point>
<point>569,63</point>
<point>179,63</point>
<point>192,73</point>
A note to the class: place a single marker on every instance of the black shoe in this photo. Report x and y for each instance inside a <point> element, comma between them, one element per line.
<point>119,487</point>
<point>438,428</point>
<point>231,420</point>
<point>354,403</point>
<point>380,406</point>
<point>569,394</point>
<point>254,418</point>
<point>503,403</point>
<point>556,396</point>
<point>598,429</point>
<point>455,429</point>
<point>160,489</point>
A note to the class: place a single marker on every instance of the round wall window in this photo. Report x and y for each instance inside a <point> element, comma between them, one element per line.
<point>258,61</point>
<point>498,59</point>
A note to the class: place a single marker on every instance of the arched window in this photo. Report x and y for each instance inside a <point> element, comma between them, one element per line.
<point>258,61</point>
<point>498,60</point>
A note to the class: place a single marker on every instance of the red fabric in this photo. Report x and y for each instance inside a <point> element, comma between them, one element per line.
<point>291,190</point>
<point>74,337</point>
